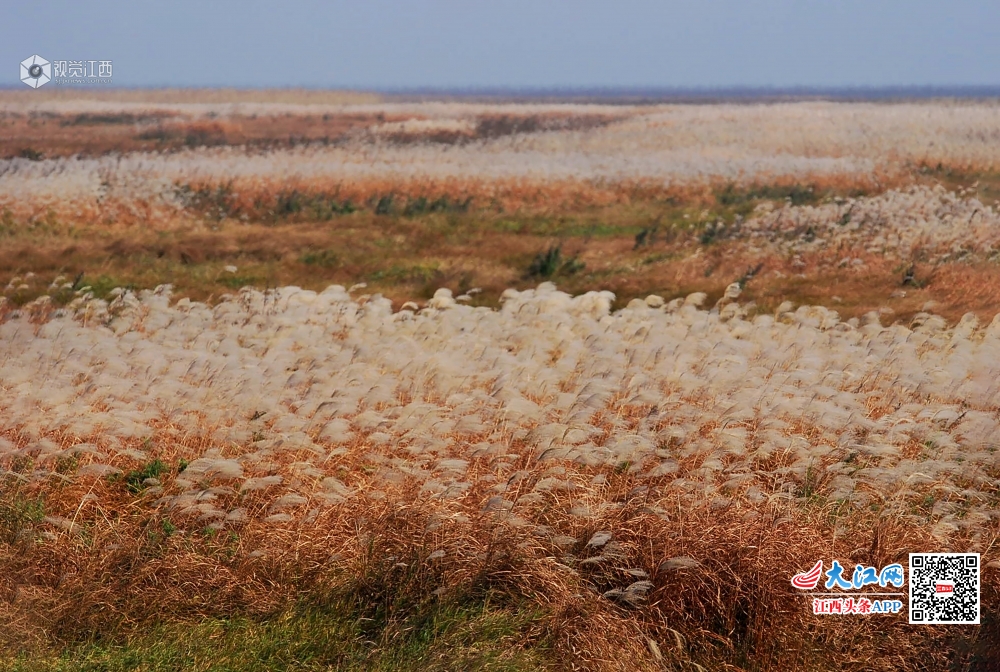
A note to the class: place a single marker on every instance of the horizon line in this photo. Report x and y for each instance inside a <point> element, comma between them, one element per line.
<point>631,94</point>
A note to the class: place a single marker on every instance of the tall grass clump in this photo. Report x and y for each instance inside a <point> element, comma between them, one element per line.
<point>643,494</point>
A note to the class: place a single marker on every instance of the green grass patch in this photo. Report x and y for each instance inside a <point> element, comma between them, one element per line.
<point>798,194</point>
<point>135,481</point>
<point>422,205</point>
<point>96,119</point>
<point>321,258</point>
<point>440,637</point>
<point>551,263</point>
<point>18,515</point>
<point>420,273</point>
<point>102,285</point>
<point>574,225</point>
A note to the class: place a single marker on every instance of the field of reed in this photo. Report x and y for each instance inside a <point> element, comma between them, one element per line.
<point>328,382</point>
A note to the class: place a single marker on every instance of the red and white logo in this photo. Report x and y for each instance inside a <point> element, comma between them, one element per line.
<point>944,588</point>
<point>808,580</point>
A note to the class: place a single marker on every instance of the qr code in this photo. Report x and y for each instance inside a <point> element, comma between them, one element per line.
<point>944,588</point>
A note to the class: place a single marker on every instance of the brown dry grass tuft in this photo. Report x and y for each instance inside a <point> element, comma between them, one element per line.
<point>107,560</point>
<point>89,557</point>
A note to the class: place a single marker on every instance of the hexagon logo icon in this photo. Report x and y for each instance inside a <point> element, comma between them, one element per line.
<point>35,71</point>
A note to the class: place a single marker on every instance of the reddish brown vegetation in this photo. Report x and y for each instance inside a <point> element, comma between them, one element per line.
<point>39,135</point>
<point>113,568</point>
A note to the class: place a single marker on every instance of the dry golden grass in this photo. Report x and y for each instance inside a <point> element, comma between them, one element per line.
<point>113,569</point>
<point>90,554</point>
<point>86,557</point>
<point>405,240</point>
<point>171,97</point>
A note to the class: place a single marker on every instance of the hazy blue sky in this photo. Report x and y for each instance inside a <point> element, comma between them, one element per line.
<point>515,43</point>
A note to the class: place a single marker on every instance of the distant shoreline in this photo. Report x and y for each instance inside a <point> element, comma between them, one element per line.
<point>603,95</point>
<point>654,95</point>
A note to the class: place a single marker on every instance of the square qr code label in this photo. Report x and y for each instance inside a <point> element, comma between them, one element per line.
<point>944,588</point>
